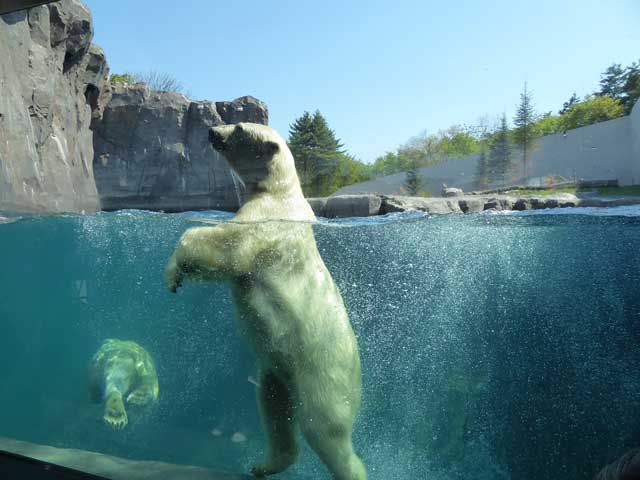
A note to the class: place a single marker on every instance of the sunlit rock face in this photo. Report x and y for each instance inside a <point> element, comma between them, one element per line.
<point>53,82</point>
<point>152,150</point>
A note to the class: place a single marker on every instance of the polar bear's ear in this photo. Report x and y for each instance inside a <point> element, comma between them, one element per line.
<point>270,148</point>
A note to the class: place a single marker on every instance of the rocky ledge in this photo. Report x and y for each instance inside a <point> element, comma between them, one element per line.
<point>152,150</point>
<point>367,205</point>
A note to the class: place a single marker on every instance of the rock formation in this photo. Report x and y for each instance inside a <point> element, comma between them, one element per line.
<point>53,82</point>
<point>152,150</point>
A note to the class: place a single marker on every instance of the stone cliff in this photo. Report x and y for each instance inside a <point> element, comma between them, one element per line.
<point>53,82</point>
<point>152,150</point>
<point>57,106</point>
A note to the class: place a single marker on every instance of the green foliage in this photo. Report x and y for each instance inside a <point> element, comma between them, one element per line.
<point>549,124</point>
<point>162,82</point>
<point>566,105</point>
<point>424,150</point>
<point>526,130</point>
<point>500,152</point>
<point>122,78</point>
<point>413,180</point>
<point>591,110</point>
<point>629,191</point>
<point>612,81</point>
<point>622,84</point>
<point>322,164</point>
<point>631,87</point>
<point>482,176</point>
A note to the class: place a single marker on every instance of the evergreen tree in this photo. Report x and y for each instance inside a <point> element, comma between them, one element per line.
<point>413,180</point>
<point>567,105</point>
<point>317,153</point>
<point>500,152</point>
<point>482,176</point>
<point>525,130</point>
<point>612,81</point>
<point>301,143</point>
<point>631,86</point>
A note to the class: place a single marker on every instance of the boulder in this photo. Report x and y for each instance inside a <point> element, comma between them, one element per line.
<point>53,82</point>
<point>394,203</point>
<point>471,205</point>
<point>342,206</point>
<point>152,150</point>
<point>452,192</point>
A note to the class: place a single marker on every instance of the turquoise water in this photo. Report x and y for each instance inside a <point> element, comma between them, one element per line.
<point>493,346</point>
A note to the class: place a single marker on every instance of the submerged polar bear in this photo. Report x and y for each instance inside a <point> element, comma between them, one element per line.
<point>289,309</point>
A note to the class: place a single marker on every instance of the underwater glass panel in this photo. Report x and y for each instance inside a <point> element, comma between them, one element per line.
<point>492,345</point>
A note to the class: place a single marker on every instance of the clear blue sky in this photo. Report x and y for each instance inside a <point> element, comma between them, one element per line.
<point>380,72</point>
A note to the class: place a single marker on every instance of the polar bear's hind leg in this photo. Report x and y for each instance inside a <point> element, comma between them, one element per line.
<point>332,443</point>
<point>278,417</point>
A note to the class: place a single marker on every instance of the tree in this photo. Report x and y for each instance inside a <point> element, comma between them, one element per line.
<point>301,143</point>
<point>591,110</point>
<point>525,129</point>
<point>631,87</point>
<point>567,105</point>
<point>612,81</point>
<point>549,124</point>
<point>622,84</point>
<point>428,149</point>
<point>351,170</point>
<point>499,161</point>
<point>317,153</point>
<point>413,180</point>
<point>482,176</point>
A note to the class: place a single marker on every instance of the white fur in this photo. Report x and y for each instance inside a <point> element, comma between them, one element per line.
<point>289,309</point>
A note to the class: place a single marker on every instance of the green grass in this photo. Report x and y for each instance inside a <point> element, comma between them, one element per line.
<point>547,191</point>
<point>631,191</point>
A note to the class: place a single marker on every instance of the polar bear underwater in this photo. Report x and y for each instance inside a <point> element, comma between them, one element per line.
<point>288,308</point>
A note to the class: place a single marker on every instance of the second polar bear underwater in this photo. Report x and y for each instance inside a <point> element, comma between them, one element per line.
<point>289,309</point>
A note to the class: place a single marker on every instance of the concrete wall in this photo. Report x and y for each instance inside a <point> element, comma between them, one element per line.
<point>458,172</point>
<point>635,141</point>
<point>603,151</point>
<point>598,152</point>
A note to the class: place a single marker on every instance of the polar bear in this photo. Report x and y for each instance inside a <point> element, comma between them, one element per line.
<point>118,368</point>
<point>288,307</point>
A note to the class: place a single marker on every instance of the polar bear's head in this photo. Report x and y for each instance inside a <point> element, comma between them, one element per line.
<point>259,155</point>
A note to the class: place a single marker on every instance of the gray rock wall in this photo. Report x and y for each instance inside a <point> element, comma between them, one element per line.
<point>53,82</point>
<point>152,150</point>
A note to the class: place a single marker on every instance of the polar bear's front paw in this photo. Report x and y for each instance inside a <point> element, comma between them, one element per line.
<point>114,413</point>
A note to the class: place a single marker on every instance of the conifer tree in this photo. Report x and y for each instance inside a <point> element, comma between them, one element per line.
<point>612,81</point>
<point>566,106</point>
<point>317,153</point>
<point>631,86</point>
<point>525,128</point>
<point>301,143</point>
<point>500,152</point>
<point>482,176</point>
<point>413,179</point>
